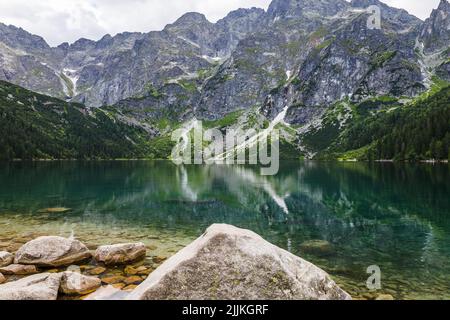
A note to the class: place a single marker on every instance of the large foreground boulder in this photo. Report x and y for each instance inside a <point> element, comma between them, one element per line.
<point>6,258</point>
<point>231,263</point>
<point>52,252</point>
<point>2,278</point>
<point>120,253</point>
<point>42,286</point>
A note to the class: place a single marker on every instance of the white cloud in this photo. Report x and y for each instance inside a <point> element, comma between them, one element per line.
<point>419,8</point>
<point>68,20</point>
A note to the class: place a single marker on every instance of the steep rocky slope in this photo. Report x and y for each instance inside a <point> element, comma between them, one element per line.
<point>301,59</point>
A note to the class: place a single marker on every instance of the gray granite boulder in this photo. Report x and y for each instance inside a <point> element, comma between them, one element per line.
<point>42,286</point>
<point>235,264</point>
<point>120,253</point>
<point>73,283</point>
<point>6,258</point>
<point>19,269</point>
<point>52,252</point>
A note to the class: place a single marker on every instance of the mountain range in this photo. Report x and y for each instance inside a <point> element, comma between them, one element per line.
<point>346,91</point>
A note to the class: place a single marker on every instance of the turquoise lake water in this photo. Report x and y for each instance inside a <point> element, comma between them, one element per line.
<point>396,216</point>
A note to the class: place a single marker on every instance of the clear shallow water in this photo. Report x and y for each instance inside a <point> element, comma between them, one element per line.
<point>396,216</point>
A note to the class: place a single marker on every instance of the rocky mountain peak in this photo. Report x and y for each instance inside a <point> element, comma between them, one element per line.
<point>444,5</point>
<point>18,38</point>
<point>240,13</point>
<point>82,44</point>
<point>299,8</point>
<point>399,19</point>
<point>435,32</point>
<point>191,18</point>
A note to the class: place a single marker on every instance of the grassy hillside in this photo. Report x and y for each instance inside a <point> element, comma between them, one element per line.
<point>34,126</point>
<point>386,129</point>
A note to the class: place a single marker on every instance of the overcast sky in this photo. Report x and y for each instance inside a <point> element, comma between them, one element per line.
<point>68,20</point>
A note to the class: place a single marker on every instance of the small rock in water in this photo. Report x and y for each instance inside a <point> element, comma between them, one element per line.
<point>55,210</point>
<point>113,279</point>
<point>52,252</point>
<point>19,269</point>
<point>319,247</point>
<point>97,271</point>
<point>78,284</point>
<point>159,259</point>
<point>120,253</point>
<point>2,278</point>
<point>119,285</point>
<point>6,258</point>
<point>130,270</point>
<point>107,293</point>
<point>133,280</point>
<point>385,297</point>
<point>143,271</point>
<point>130,287</point>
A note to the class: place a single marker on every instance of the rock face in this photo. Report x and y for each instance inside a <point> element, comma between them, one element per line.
<point>6,258</point>
<point>73,283</point>
<point>435,32</point>
<point>248,44</point>
<point>37,287</point>
<point>19,269</point>
<point>52,252</point>
<point>304,55</point>
<point>120,253</point>
<point>231,263</point>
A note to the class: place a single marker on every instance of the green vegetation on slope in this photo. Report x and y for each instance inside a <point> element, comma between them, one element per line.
<point>34,126</point>
<point>417,131</point>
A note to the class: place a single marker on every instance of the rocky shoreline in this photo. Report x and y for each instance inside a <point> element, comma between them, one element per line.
<point>224,263</point>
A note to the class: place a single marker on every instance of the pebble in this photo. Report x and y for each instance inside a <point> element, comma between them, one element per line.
<point>133,280</point>
<point>384,297</point>
<point>113,279</point>
<point>97,271</point>
<point>19,269</point>
<point>159,259</point>
<point>130,287</point>
<point>119,285</point>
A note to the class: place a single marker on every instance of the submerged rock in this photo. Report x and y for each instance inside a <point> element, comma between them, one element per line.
<point>113,279</point>
<point>52,252</point>
<point>120,253</point>
<point>118,285</point>
<point>37,287</point>
<point>19,269</point>
<point>234,264</point>
<point>133,280</point>
<point>384,297</point>
<point>97,271</point>
<point>107,293</point>
<point>318,247</point>
<point>6,258</point>
<point>55,210</point>
<point>130,287</point>
<point>73,283</point>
